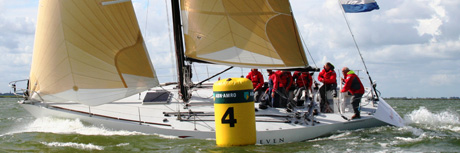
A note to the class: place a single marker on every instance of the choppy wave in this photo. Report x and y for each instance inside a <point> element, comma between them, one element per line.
<point>421,126</point>
<point>339,136</point>
<point>83,146</point>
<point>70,126</point>
<point>74,145</point>
<point>446,120</point>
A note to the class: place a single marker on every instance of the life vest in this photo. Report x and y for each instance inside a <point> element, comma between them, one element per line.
<point>273,80</point>
<point>302,79</point>
<point>353,84</point>
<point>327,77</point>
<point>285,79</point>
<point>256,78</point>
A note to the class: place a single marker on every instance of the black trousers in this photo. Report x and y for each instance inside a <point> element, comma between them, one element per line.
<point>280,100</point>
<point>356,99</point>
<point>257,95</point>
<point>322,91</point>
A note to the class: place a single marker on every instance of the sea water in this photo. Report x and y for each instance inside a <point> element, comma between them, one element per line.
<point>430,126</point>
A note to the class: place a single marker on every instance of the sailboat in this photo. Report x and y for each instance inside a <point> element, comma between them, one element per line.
<point>90,62</point>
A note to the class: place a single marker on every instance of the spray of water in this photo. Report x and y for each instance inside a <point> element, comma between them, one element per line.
<point>446,120</point>
<point>74,145</point>
<point>70,126</point>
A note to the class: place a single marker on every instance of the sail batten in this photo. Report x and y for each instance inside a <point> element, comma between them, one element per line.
<point>88,53</point>
<point>260,33</point>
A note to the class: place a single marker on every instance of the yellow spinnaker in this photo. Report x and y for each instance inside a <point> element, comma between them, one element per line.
<point>246,33</point>
<point>88,53</point>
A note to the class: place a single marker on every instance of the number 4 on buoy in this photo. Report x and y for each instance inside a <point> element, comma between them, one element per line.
<point>231,117</point>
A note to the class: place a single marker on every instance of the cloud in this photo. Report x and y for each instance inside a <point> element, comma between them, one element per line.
<point>431,26</point>
<point>442,79</point>
<point>404,44</point>
<point>17,33</point>
<point>17,27</point>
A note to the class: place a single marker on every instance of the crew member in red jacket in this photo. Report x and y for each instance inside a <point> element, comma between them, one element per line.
<point>355,87</point>
<point>257,82</point>
<point>273,85</point>
<point>328,77</point>
<point>285,84</point>
<point>303,82</point>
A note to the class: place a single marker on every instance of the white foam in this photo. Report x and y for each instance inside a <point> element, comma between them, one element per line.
<point>74,145</point>
<point>383,145</point>
<point>167,136</point>
<point>440,120</point>
<point>409,139</point>
<point>413,130</point>
<point>451,128</point>
<point>67,126</point>
<point>339,136</point>
<point>122,144</point>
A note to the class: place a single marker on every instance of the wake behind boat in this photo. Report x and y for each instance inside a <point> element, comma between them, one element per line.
<point>90,62</point>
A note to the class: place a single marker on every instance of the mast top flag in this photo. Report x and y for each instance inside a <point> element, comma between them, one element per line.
<point>358,6</point>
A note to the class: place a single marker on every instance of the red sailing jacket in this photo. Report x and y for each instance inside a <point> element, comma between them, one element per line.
<point>303,79</point>
<point>285,79</point>
<point>256,78</point>
<point>353,84</point>
<point>328,77</point>
<point>273,81</point>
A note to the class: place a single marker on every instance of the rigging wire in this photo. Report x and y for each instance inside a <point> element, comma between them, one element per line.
<point>308,50</point>
<point>170,43</point>
<point>359,51</point>
<point>146,19</point>
<point>174,73</point>
<point>301,38</point>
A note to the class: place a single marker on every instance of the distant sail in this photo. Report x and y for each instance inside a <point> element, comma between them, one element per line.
<point>88,53</point>
<point>260,33</point>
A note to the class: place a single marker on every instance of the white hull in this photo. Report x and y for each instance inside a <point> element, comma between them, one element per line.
<point>273,125</point>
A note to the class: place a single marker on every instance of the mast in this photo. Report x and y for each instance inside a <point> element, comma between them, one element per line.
<point>177,26</point>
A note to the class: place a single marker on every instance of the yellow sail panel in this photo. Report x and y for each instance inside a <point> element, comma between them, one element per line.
<point>255,33</point>
<point>89,53</point>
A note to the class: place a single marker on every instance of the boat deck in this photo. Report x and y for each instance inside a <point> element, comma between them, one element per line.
<point>198,115</point>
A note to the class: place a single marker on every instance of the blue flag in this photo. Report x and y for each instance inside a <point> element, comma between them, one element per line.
<point>357,6</point>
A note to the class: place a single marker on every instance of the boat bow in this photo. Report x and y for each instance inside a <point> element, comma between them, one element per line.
<point>387,114</point>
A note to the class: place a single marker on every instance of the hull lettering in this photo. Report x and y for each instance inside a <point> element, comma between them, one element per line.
<point>271,141</point>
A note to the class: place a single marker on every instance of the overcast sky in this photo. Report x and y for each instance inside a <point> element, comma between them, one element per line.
<point>411,47</point>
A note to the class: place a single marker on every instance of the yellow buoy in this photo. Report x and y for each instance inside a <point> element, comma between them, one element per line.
<point>234,112</point>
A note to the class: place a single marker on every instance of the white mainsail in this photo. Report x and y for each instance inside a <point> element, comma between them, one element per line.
<point>88,53</point>
<point>245,33</point>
